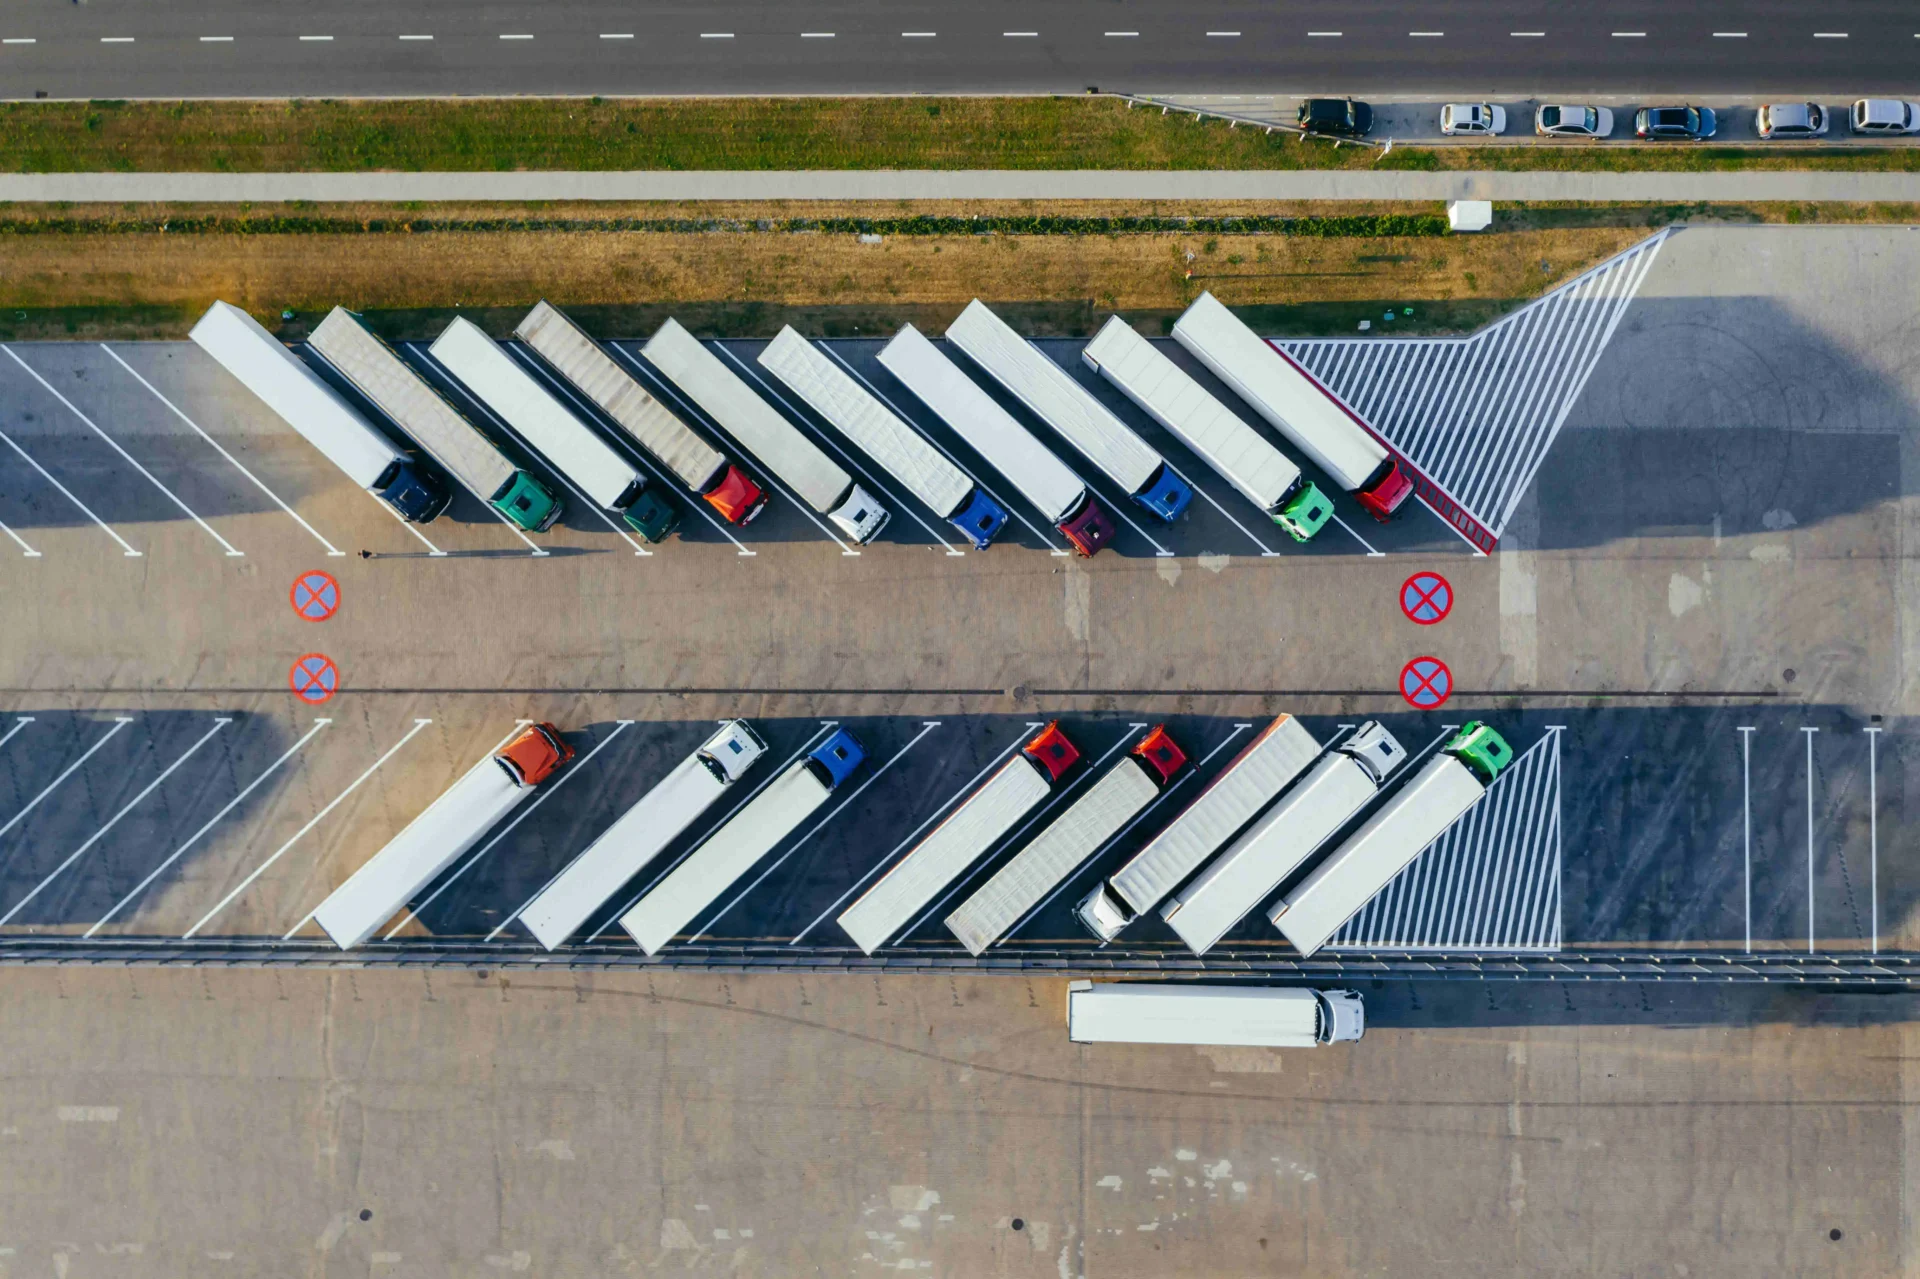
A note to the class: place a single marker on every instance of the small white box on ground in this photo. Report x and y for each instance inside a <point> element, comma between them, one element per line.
<point>1469,215</point>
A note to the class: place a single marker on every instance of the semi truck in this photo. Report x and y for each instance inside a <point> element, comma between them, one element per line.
<point>435,839</point>
<point>1278,754</point>
<point>1282,839</point>
<point>391,386</point>
<point>697,464</point>
<point>1051,394</point>
<point>967,834</point>
<point>723,396</point>
<point>1239,454</point>
<point>641,833</point>
<point>305,402</point>
<point>1417,814</point>
<point>573,447</point>
<point>900,450</point>
<point>990,430</point>
<point>1295,404</point>
<point>1212,1016</point>
<point>747,836</point>
<point>1059,850</point>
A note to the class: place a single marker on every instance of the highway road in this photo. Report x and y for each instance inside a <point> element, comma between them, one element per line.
<point>233,48</point>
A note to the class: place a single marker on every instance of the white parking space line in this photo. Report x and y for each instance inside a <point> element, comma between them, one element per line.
<point>68,494</point>
<point>1746,827</point>
<point>487,412</point>
<point>826,726</point>
<point>331,548</point>
<point>926,726</point>
<point>119,722</point>
<point>26,551</point>
<point>1266,552</point>
<point>539,552</point>
<point>951,800</point>
<point>1005,505</point>
<point>300,834</point>
<point>113,821</point>
<point>1809,732</point>
<point>1371,552</point>
<point>1873,829</point>
<point>211,822</point>
<point>230,549</point>
<point>18,724</point>
<point>413,913</point>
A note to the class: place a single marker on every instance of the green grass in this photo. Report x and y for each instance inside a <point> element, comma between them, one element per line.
<point>756,133</point>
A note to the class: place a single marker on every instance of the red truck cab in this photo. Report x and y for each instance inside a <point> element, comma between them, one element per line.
<point>1386,491</point>
<point>736,497</point>
<point>1158,752</point>
<point>532,757</point>
<point>1051,750</point>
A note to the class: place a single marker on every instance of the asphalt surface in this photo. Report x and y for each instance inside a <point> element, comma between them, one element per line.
<point>224,48</point>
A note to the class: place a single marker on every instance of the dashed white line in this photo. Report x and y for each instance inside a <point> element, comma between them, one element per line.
<point>816,35</point>
<point>1629,35</point>
<point>716,35</point>
<point>1224,35</point>
<point>518,35</point>
<point>918,35</point>
<point>1122,35</point>
<point>1829,35</point>
<point>1323,35</point>
<point>116,39</point>
<point>312,39</point>
<point>216,39</point>
<point>616,35</point>
<point>1527,35</point>
<point>20,40</point>
<point>1020,35</point>
<point>416,37</point>
<point>1426,35</point>
<point>1729,35</point>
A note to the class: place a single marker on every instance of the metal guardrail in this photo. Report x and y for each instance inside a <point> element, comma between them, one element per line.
<point>1899,970</point>
<point>1235,121</point>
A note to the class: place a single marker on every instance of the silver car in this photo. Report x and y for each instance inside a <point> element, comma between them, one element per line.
<point>1790,120</point>
<point>1885,115</point>
<point>1558,121</point>
<point>1457,118</point>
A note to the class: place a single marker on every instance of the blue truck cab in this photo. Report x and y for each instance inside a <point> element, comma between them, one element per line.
<point>980,518</point>
<point>839,757</point>
<point>1166,494</point>
<point>412,490</point>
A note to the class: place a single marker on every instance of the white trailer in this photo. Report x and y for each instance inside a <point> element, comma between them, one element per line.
<point>1052,395</point>
<point>900,450</point>
<point>500,382</point>
<point>1284,837</point>
<point>695,462</point>
<point>821,482</point>
<point>1238,453</point>
<point>966,836</point>
<point>305,402</point>
<point>641,834</point>
<point>1222,1016</point>
<point>1294,403</point>
<point>435,839</point>
<point>1278,754</point>
<point>1071,838</point>
<point>991,431</point>
<point>748,835</point>
<point>424,414</point>
<point>1418,813</point>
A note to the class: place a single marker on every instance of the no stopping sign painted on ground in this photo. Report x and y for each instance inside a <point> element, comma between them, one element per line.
<point>314,678</point>
<point>1426,682</point>
<point>315,596</point>
<point>1426,598</point>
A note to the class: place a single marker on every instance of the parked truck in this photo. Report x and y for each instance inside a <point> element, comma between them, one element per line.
<point>748,835</point>
<point>696,463</point>
<point>1278,754</point>
<point>1295,404</point>
<point>460,448</point>
<point>575,450</point>
<point>305,402</point>
<point>900,450</point>
<point>968,834</point>
<point>1417,814</point>
<point>1056,852</point>
<point>990,430</point>
<point>642,833</point>
<point>723,396</point>
<point>1242,457</point>
<point>1284,837</point>
<point>1212,1016</point>
<point>1053,396</point>
<point>435,839</point>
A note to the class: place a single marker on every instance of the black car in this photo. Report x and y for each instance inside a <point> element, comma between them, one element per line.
<point>1684,124</point>
<point>1335,117</point>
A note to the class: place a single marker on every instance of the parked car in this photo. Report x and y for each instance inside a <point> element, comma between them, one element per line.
<point>1790,120</point>
<point>1674,124</point>
<point>1472,117</point>
<point>1885,115</point>
<point>1573,122</point>
<point>1335,117</point>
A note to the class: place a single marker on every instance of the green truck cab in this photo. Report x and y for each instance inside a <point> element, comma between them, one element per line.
<point>1482,750</point>
<point>527,502</point>
<point>651,515</point>
<point>1305,512</point>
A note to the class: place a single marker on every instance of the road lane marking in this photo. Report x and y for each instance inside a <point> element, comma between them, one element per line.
<point>113,821</point>
<point>1426,35</point>
<point>1729,35</point>
<point>1323,35</point>
<point>230,549</point>
<point>1020,35</point>
<point>331,548</point>
<point>211,822</point>
<point>716,35</point>
<point>616,35</point>
<point>216,39</point>
<point>116,39</point>
<point>517,36</point>
<point>314,38</point>
<point>1746,823</point>
<point>1829,35</point>
<point>816,35</point>
<point>918,35</point>
<point>68,493</point>
<point>298,835</point>
<point>1629,35</point>
<point>1527,35</point>
<point>119,722</point>
<point>20,40</point>
<point>416,37</point>
<point>1224,35</point>
<point>1122,35</point>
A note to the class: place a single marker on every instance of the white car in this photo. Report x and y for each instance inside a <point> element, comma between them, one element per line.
<point>1885,115</point>
<point>1471,118</point>
<point>1790,120</point>
<point>1573,122</point>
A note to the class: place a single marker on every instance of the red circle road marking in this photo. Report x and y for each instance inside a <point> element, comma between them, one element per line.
<point>315,595</point>
<point>1426,683</point>
<point>314,678</point>
<point>1426,598</point>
